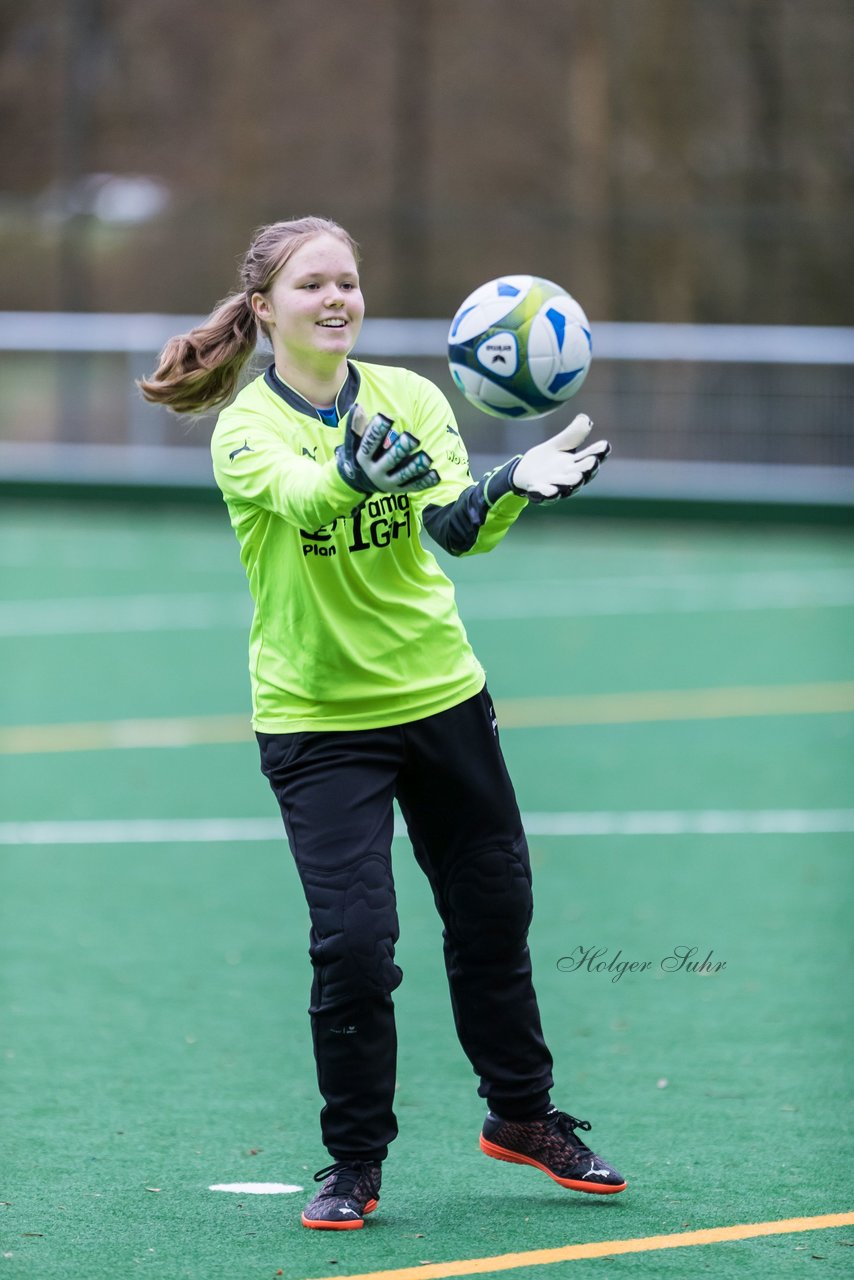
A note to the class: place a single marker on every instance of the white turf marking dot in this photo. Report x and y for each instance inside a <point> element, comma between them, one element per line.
<point>257,1188</point>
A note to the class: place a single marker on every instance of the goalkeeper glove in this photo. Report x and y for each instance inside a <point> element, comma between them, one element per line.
<point>375,458</point>
<point>557,468</point>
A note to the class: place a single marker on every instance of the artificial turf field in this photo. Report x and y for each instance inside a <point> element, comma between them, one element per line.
<point>675,703</point>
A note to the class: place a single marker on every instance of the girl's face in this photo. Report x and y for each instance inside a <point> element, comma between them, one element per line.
<point>314,308</point>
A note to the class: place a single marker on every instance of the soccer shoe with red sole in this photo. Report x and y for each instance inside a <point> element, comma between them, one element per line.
<point>551,1145</point>
<point>349,1192</point>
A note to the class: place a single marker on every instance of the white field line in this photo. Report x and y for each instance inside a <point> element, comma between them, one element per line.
<point>94,615</point>
<point>257,1188</point>
<point>684,822</point>
<point>558,598</point>
<point>659,593</point>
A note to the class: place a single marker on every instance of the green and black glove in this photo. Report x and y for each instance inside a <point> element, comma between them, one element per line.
<point>375,458</point>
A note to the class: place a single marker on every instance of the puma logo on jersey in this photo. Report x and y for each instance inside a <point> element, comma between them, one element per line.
<point>244,448</point>
<point>310,453</point>
<point>452,430</point>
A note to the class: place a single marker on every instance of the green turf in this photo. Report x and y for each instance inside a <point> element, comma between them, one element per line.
<point>153,996</point>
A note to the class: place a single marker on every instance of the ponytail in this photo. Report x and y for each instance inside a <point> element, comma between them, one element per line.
<point>199,370</point>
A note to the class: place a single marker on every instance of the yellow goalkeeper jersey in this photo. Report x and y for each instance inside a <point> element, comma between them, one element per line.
<point>355,624</point>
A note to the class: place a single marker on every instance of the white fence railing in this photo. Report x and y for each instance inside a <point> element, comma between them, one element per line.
<point>761,411</point>
<point>723,343</point>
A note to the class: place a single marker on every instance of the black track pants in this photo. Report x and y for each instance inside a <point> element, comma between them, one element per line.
<point>335,791</point>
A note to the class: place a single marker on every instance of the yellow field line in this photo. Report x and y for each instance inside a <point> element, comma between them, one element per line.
<point>677,704</point>
<point>108,735</point>
<point>603,1249</point>
<point>513,713</point>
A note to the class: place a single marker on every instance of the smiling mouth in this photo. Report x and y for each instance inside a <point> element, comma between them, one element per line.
<point>338,323</point>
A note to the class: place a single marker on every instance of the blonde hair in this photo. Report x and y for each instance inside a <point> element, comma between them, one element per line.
<point>200,369</point>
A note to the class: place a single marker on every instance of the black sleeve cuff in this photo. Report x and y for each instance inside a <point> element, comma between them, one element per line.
<point>500,482</point>
<point>455,527</point>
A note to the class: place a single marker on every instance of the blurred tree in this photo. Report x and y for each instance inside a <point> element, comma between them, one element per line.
<point>664,159</point>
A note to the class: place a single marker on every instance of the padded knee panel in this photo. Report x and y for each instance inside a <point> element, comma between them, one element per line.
<point>488,903</point>
<point>354,930</point>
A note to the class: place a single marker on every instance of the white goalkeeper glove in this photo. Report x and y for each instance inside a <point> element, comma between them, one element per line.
<point>375,458</point>
<point>557,468</point>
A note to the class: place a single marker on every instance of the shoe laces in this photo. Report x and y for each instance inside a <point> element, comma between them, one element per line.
<point>347,1174</point>
<point>564,1124</point>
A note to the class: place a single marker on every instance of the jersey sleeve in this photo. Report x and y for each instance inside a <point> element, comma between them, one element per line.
<point>254,465</point>
<point>464,516</point>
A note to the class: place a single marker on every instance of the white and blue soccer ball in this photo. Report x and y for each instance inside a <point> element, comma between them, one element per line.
<point>519,346</point>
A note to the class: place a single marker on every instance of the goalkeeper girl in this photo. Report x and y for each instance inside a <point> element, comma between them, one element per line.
<point>366,690</point>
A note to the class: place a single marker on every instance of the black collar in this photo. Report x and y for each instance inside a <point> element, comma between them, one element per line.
<point>344,401</point>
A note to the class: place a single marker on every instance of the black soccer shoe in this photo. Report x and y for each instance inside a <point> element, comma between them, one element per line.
<point>552,1145</point>
<point>348,1193</point>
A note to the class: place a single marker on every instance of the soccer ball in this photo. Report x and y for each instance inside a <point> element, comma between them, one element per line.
<point>519,346</point>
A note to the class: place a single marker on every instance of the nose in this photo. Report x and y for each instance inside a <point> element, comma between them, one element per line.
<point>334,296</point>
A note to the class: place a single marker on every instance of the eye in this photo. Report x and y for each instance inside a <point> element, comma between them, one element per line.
<point>348,284</point>
<point>312,284</point>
